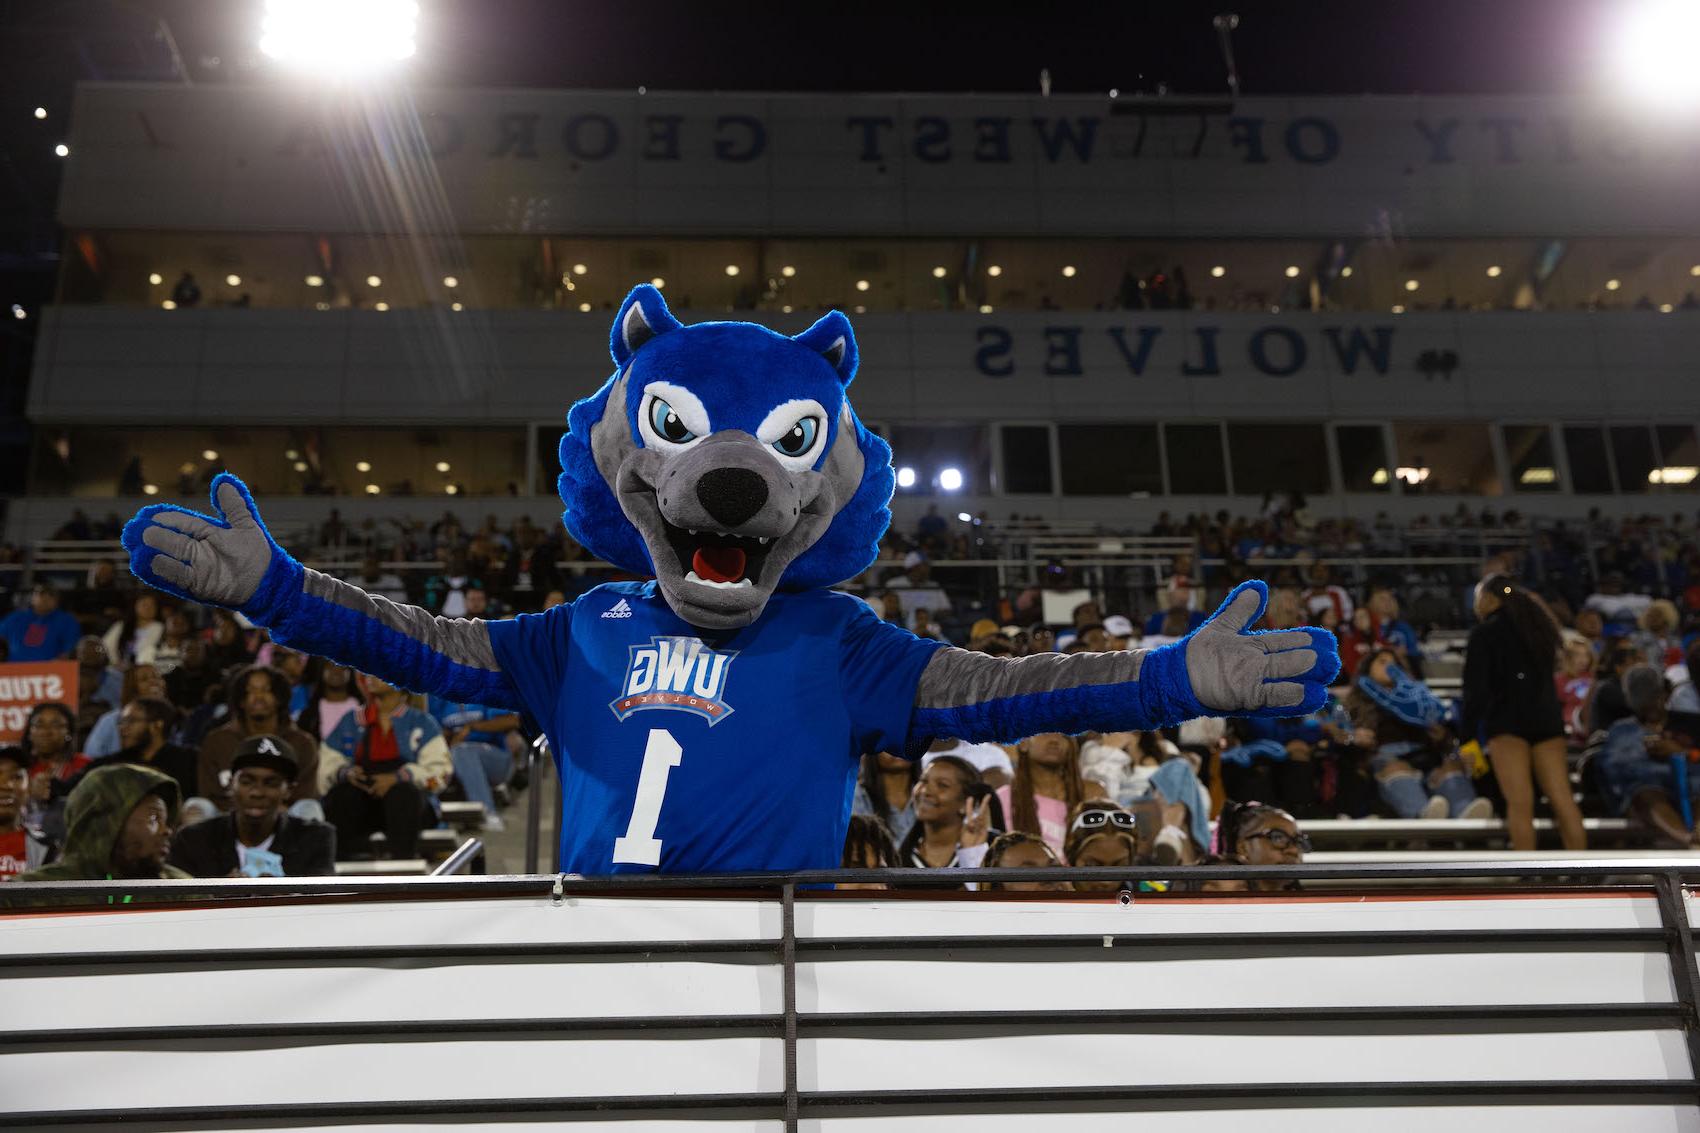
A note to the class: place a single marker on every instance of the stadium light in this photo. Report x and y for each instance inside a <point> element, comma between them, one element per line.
<point>450,281</point>
<point>209,454</point>
<point>1411,285</point>
<point>18,312</point>
<point>580,269</point>
<point>731,269</point>
<point>380,306</point>
<point>787,271</point>
<point>950,479</point>
<point>372,489</point>
<point>233,280</point>
<point>442,466</point>
<point>1651,53</point>
<point>169,304</point>
<point>1678,474</point>
<point>1493,272</point>
<point>315,281</point>
<point>1068,271</point>
<point>964,517</point>
<point>456,307</point>
<point>346,38</point>
<point>155,278</point>
<point>994,270</point>
<point>1218,271</point>
<point>1292,271</point>
<point>861,285</point>
<point>1613,284</point>
<point>41,112</point>
<point>584,307</point>
<point>1346,272</point>
<point>658,283</point>
<point>150,489</point>
<point>938,272</point>
<point>363,466</point>
<point>905,477</point>
<point>62,150</point>
<point>374,281</point>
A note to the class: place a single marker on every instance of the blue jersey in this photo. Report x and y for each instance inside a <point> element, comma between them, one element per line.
<point>686,750</point>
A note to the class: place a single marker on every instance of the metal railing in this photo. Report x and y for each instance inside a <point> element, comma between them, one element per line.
<point>1663,878</point>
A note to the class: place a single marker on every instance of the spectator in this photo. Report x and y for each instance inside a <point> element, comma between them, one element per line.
<point>885,790</point>
<point>1255,834</point>
<point>21,846</point>
<point>195,676</point>
<point>1100,833</point>
<point>101,601</point>
<point>256,695</point>
<point>1176,618</point>
<point>1393,631</point>
<point>1592,627</point>
<point>867,845</point>
<point>1511,707</point>
<point>1613,602</point>
<point>445,593</point>
<point>174,642</point>
<point>100,687</point>
<point>1609,703</point>
<point>1635,766</point>
<point>1047,786</point>
<point>293,665</point>
<point>54,764</point>
<point>380,768</point>
<point>1123,762</point>
<point>990,760</point>
<point>1418,770</point>
<point>229,646</point>
<point>482,745</point>
<point>1574,682</point>
<point>1185,836</point>
<point>186,292</point>
<point>1658,637</point>
<point>143,728</point>
<point>118,822</point>
<point>1684,697</point>
<point>1356,639</point>
<point>139,680</point>
<point>1326,594</point>
<point>951,828</point>
<point>134,639</point>
<point>1016,850</point>
<point>334,695</point>
<point>40,631</point>
<point>259,837</point>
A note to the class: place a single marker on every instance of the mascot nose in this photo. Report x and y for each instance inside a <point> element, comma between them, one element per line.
<point>732,495</point>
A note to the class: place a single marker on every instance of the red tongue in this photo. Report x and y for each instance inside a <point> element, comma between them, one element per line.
<point>718,564</point>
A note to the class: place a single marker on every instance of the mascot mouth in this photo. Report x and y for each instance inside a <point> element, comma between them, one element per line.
<point>718,558</point>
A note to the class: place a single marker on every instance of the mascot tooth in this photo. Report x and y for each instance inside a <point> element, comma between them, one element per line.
<point>712,719</point>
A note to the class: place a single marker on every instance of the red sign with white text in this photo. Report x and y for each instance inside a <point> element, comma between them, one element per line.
<point>25,684</point>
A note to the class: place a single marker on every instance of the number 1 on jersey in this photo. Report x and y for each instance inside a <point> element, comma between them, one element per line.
<point>639,845</point>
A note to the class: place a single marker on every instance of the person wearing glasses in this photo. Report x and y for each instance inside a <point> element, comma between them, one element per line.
<point>1256,834</point>
<point>1100,833</point>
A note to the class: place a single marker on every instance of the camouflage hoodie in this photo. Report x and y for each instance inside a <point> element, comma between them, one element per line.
<point>96,812</point>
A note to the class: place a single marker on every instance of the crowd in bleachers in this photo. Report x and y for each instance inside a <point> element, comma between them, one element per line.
<point>295,761</point>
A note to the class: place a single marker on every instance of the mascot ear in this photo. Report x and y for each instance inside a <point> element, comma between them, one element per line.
<point>642,316</point>
<point>833,340</point>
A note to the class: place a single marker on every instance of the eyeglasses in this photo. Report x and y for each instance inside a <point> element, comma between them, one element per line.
<point>1093,819</point>
<point>1282,840</point>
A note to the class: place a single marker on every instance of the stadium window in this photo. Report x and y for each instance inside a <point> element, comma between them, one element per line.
<point>548,440</point>
<point>1109,459</point>
<point>1026,459</point>
<point>1196,467</point>
<point>1679,458</point>
<point>1590,468</point>
<point>1444,458</point>
<point>1633,456</point>
<point>1279,457</point>
<point>1363,458</point>
<point>1529,455</point>
<point>930,449</point>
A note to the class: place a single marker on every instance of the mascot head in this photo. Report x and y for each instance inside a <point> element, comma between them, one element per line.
<point>724,458</point>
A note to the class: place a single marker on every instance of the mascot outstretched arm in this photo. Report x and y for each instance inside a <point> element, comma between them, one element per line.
<point>712,719</point>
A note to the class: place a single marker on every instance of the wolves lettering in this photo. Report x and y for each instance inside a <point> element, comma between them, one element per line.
<point>712,719</point>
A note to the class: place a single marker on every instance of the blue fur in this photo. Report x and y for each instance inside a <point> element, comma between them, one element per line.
<point>1160,698</point>
<point>740,371</point>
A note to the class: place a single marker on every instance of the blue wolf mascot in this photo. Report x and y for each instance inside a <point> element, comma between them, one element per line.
<point>712,719</point>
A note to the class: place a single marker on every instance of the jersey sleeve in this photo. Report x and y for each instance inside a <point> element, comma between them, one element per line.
<point>880,666</point>
<point>532,650</point>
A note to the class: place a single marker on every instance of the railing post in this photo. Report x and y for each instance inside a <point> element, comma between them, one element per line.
<point>1679,946</point>
<point>533,804</point>
<point>788,962</point>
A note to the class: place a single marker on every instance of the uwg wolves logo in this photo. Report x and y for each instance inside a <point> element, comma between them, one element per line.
<point>675,672</point>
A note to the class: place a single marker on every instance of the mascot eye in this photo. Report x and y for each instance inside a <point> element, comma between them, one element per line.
<point>666,423</point>
<point>800,438</point>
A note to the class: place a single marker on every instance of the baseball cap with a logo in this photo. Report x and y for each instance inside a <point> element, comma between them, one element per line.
<point>268,751</point>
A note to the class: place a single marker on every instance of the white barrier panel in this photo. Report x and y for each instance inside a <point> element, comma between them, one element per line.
<point>628,1012</point>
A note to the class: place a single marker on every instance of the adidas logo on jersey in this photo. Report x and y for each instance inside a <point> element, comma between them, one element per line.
<point>675,672</point>
<point>618,610</point>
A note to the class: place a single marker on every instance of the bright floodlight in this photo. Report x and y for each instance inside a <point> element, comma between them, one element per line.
<point>1652,51</point>
<point>339,36</point>
<point>905,477</point>
<point>950,479</point>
